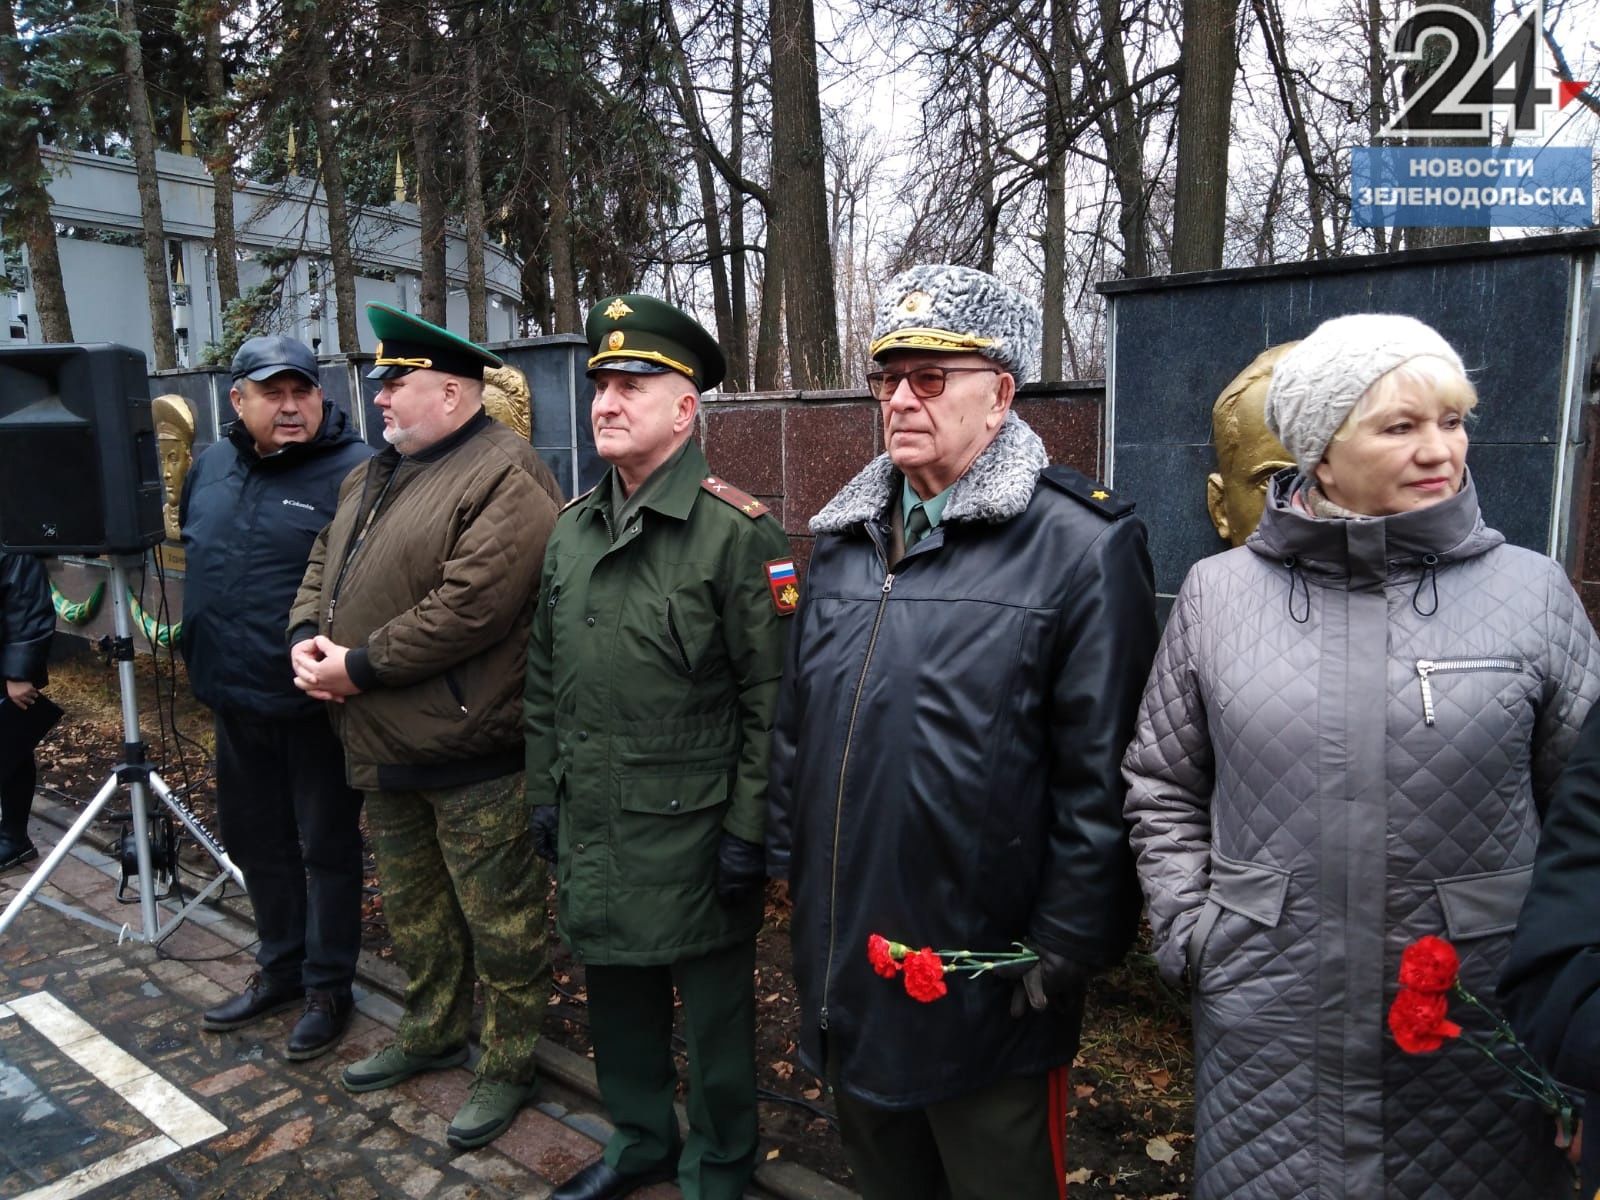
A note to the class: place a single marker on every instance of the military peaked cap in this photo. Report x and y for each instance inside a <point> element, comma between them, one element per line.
<point>407,343</point>
<point>649,336</point>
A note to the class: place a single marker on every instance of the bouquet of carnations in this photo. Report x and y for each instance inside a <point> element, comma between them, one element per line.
<point>1430,974</point>
<point>923,971</point>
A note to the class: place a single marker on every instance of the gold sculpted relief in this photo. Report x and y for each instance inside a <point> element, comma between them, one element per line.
<point>1248,456</point>
<point>507,399</point>
<point>175,443</point>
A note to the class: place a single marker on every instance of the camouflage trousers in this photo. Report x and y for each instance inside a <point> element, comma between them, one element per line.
<point>464,896</point>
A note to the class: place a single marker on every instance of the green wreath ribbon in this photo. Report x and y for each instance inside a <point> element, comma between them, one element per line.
<point>161,635</point>
<point>80,612</point>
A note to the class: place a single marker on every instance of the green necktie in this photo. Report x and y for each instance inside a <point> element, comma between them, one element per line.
<point>917,526</point>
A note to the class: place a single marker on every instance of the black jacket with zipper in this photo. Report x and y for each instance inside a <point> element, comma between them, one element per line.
<point>945,764</point>
<point>249,523</point>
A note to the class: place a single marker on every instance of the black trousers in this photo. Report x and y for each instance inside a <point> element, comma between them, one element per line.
<point>990,1143</point>
<point>291,824</point>
<point>16,798</point>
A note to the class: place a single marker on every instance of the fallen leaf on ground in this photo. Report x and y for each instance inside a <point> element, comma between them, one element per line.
<point>1159,1149</point>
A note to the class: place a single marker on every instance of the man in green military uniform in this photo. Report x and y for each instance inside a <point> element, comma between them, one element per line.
<point>412,618</point>
<point>652,673</point>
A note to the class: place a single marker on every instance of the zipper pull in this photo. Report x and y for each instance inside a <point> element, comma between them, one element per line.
<point>888,582</point>
<point>332,604</point>
<point>822,1018</point>
<point>1424,669</point>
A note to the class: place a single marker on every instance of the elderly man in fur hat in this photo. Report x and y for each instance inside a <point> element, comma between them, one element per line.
<point>972,640</point>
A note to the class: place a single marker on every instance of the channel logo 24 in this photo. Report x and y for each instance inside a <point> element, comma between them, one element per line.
<point>1472,84</point>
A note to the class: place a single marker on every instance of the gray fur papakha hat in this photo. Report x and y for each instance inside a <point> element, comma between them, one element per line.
<point>1316,384</point>
<point>958,310</point>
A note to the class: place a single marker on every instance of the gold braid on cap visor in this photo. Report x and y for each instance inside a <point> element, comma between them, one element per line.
<point>416,364</point>
<point>922,338</point>
<point>647,356</point>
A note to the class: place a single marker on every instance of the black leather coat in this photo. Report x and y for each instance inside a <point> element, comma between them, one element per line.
<point>945,764</point>
<point>27,619</point>
<point>1551,985</point>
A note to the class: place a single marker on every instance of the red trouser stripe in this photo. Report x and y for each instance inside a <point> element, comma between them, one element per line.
<point>1058,1126</point>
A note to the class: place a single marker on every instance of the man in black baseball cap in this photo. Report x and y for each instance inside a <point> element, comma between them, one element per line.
<point>251,508</point>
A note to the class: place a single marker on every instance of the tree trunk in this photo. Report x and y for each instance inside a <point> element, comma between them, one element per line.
<point>218,144</point>
<point>769,333</point>
<point>30,211</point>
<point>800,199</point>
<point>332,171</point>
<point>1377,108</point>
<point>1120,126</point>
<point>1057,93</point>
<point>430,185</point>
<point>144,158</point>
<point>1420,237</point>
<point>689,107</point>
<point>1205,106</point>
<point>738,347</point>
<point>563,273</point>
<point>1272,33</point>
<point>472,165</point>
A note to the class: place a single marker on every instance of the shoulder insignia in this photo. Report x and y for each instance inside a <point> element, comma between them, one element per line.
<point>1085,490</point>
<point>728,494</point>
<point>783,583</point>
<point>578,499</point>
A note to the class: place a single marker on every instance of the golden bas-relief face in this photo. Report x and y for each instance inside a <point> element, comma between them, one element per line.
<point>175,444</point>
<point>1248,456</point>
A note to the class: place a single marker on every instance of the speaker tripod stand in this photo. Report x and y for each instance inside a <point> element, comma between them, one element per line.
<point>139,778</point>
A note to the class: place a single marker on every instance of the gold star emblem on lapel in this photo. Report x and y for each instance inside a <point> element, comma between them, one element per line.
<point>1099,494</point>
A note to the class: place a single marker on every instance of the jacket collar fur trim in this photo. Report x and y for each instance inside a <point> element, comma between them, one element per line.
<point>996,488</point>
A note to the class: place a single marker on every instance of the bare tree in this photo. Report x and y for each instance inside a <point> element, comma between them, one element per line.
<point>1205,108</point>
<point>330,166</point>
<point>799,193</point>
<point>154,241</point>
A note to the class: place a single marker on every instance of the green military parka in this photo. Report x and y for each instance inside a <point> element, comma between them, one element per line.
<point>653,672</point>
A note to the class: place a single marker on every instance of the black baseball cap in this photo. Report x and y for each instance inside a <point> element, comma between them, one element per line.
<point>263,357</point>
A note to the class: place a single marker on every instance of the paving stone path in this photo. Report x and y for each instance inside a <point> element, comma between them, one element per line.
<point>109,1087</point>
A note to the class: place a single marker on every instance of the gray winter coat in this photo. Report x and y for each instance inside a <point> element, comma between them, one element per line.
<point>1348,738</point>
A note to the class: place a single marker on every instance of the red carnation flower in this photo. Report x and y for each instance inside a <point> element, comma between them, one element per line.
<point>881,955</point>
<point>924,975</point>
<point>1429,964</point>
<point>1417,1020</point>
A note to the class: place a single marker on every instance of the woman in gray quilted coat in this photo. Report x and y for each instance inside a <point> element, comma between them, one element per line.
<point>1351,730</point>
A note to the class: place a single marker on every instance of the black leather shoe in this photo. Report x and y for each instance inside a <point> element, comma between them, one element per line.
<point>14,851</point>
<point>598,1181</point>
<point>260,998</point>
<point>323,1023</point>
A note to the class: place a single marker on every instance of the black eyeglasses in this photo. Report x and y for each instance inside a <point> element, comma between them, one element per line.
<point>926,382</point>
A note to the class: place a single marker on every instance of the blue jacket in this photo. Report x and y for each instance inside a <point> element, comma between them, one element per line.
<point>248,526</point>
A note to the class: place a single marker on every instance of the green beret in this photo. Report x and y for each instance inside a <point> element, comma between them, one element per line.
<point>649,336</point>
<point>407,343</point>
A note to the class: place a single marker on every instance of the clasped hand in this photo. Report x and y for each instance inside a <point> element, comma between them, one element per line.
<point>319,669</point>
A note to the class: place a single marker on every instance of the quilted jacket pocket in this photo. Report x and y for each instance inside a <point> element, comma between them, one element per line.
<point>1252,890</point>
<point>1483,904</point>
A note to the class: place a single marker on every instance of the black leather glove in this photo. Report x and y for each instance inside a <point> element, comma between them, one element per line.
<point>1052,982</point>
<point>543,824</point>
<point>741,868</point>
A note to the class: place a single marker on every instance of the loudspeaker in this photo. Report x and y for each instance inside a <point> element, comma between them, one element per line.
<point>79,472</point>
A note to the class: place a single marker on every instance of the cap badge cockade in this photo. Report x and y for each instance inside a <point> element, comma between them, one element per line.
<point>616,310</point>
<point>914,303</point>
<point>615,339</point>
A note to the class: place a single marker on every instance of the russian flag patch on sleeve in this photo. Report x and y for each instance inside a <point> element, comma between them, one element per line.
<point>783,583</point>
